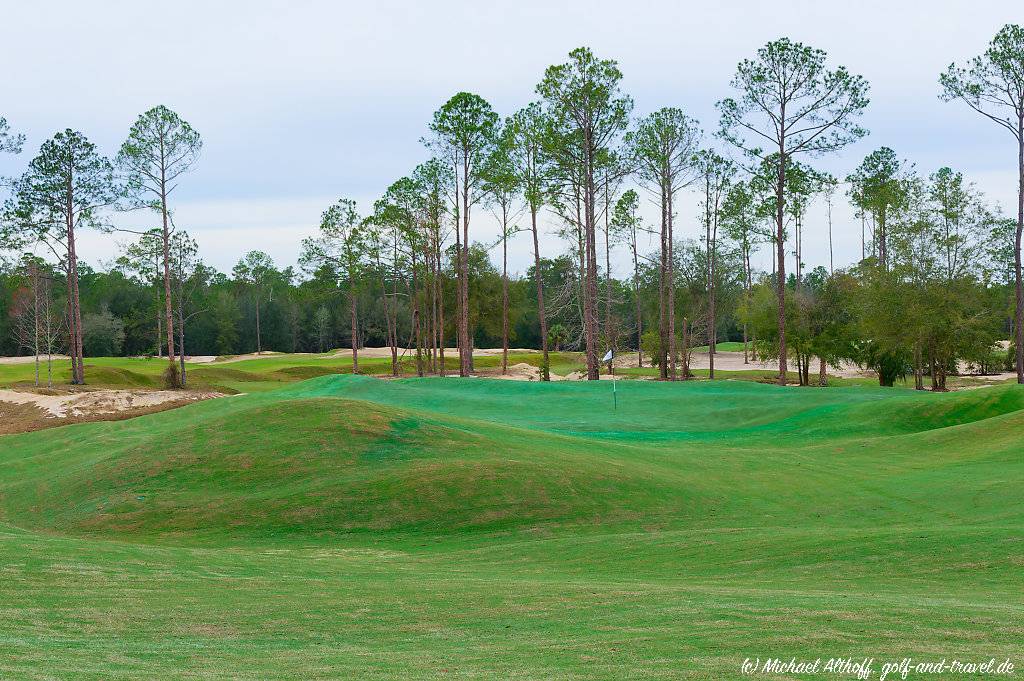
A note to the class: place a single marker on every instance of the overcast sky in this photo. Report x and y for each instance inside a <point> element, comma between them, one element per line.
<point>300,103</point>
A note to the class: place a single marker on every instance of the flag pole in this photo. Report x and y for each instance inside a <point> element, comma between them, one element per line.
<point>610,358</point>
<point>615,394</point>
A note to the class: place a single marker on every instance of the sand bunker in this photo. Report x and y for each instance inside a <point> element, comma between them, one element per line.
<point>28,359</point>
<point>209,359</point>
<point>98,402</point>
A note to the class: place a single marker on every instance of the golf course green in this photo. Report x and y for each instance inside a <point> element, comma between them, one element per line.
<point>351,527</point>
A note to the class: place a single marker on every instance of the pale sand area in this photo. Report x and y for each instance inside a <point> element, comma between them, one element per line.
<point>28,359</point>
<point>93,402</point>
<point>733,361</point>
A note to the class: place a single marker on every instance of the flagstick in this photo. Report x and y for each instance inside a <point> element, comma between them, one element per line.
<point>615,395</point>
<point>610,358</point>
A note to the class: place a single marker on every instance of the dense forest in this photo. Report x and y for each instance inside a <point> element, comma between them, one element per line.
<point>936,286</point>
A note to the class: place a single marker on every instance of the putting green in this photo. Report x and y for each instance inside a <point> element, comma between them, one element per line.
<point>346,526</point>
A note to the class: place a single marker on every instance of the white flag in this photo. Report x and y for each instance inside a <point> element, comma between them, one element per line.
<point>607,356</point>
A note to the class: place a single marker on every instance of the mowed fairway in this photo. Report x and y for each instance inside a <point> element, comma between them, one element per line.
<point>349,527</point>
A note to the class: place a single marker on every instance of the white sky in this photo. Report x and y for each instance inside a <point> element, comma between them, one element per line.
<point>300,103</point>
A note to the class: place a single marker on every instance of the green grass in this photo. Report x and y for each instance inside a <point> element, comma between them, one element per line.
<point>435,528</point>
<point>724,346</point>
<point>252,375</point>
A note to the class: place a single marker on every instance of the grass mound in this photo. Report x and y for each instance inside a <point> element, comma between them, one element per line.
<point>343,454</point>
<point>426,528</point>
<point>311,465</point>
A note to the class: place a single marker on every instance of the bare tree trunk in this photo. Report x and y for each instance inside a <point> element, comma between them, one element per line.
<point>159,316</point>
<point>671,276</point>
<point>1018,284</point>
<point>882,238</point>
<point>391,330</point>
<point>780,254</point>
<point>417,326</point>
<point>465,352</point>
<point>831,260</point>
<point>639,312</point>
<point>545,372</point>
<point>796,251</point>
<point>590,296</point>
<point>822,372</point>
<point>74,305</point>
<point>686,349</point>
<point>168,311</point>
<point>71,331</point>
<point>608,275</point>
<point>440,309</point>
<point>663,293</point>
<point>504,296</point>
<point>712,319</point>
<point>939,377</point>
<point>433,305</point>
<point>863,237</point>
<point>932,371</point>
<point>918,368</point>
<point>79,334</point>
<point>49,340</point>
<point>259,343</point>
<point>746,293</point>
<point>393,325</point>
<point>354,321</point>
<point>36,309</point>
<point>181,337</point>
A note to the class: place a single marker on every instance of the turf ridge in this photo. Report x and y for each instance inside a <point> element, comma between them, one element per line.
<point>425,528</point>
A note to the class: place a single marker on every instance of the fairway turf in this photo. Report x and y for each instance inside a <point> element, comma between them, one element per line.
<point>348,527</point>
<point>255,374</point>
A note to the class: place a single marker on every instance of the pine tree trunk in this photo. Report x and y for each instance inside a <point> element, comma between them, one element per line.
<point>663,293</point>
<point>433,308</point>
<point>686,349</point>
<point>1018,283</point>
<point>465,352</point>
<point>712,316</point>
<point>639,313</point>
<point>590,296</point>
<point>168,309</point>
<point>259,343</point>
<point>181,338</point>
<point>545,373</point>
<point>159,324</point>
<point>74,305</point>
<point>36,307</point>
<point>504,300</point>
<point>918,368</point>
<point>417,328</point>
<point>609,340</point>
<point>439,285</point>
<point>671,276</point>
<point>780,255</point>
<point>353,322</point>
<point>746,292</point>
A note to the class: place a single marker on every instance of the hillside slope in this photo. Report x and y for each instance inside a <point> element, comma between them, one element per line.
<point>424,528</point>
<point>342,454</point>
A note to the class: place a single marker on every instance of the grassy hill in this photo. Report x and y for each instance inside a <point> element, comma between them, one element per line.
<point>436,528</point>
<point>239,374</point>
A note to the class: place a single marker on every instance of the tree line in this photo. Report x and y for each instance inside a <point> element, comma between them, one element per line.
<point>938,282</point>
